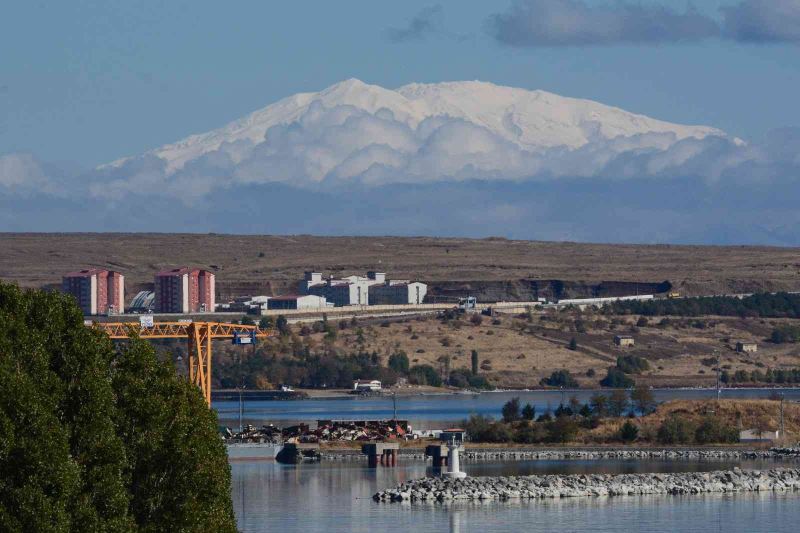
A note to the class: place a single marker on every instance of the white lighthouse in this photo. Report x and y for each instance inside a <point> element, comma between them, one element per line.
<point>454,440</point>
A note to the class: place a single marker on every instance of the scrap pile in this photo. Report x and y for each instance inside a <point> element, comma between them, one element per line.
<point>326,431</point>
<point>264,434</point>
<point>357,430</point>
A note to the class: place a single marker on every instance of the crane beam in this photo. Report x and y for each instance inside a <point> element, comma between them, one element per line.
<point>199,336</point>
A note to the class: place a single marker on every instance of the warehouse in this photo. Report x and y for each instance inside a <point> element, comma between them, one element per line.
<point>374,289</point>
<point>307,301</point>
<point>398,293</point>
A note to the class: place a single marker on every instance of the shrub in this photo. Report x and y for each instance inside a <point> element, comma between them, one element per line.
<point>484,429</point>
<point>562,429</point>
<point>560,378</point>
<point>676,430</point>
<point>476,319</point>
<point>424,375</point>
<point>642,322</point>
<point>632,364</point>
<point>712,430</point>
<point>785,334</point>
<point>628,432</point>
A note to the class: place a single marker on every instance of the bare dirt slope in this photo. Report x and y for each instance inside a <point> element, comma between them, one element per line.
<point>517,353</point>
<point>253,263</point>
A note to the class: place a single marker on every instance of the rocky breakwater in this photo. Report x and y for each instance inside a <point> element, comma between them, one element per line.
<point>570,486</point>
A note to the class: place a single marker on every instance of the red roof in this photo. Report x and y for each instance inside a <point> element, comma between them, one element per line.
<point>85,273</point>
<point>182,270</point>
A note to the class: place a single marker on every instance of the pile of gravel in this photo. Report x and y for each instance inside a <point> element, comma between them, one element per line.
<point>568,486</point>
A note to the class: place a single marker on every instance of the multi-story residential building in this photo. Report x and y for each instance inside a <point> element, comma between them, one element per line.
<point>98,291</point>
<point>185,290</point>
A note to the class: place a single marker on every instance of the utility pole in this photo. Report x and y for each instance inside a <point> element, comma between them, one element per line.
<point>394,407</point>
<point>782,398</point>
<point>719,391</point>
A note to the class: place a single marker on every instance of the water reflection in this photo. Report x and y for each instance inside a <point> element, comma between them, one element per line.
<point>337,497</point>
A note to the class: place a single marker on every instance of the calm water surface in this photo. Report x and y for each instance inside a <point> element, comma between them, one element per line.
<point>337,497</point>
<point>431,411</point>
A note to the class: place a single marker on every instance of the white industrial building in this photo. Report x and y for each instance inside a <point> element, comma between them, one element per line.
<point>398,292</point>
<point>374,289</point>
<point>307,301</point>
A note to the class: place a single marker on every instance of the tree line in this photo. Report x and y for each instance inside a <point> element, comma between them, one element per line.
<point>766,305</point>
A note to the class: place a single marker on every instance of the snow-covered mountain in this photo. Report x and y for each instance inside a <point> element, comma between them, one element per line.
<point>454,130</point>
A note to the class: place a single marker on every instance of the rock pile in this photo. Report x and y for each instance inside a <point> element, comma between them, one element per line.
<point>568,486</point>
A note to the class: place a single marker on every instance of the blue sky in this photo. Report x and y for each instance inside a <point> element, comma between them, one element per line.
<point>90,81</point>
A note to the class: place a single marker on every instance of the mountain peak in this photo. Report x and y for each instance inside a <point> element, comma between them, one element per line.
<point>531,120</point>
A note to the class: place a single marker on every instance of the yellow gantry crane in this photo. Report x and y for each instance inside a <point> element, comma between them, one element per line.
<point>200,336</point>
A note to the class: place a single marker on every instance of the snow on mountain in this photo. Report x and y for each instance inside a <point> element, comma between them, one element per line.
<point>531,120</point>
<point>355,133</point>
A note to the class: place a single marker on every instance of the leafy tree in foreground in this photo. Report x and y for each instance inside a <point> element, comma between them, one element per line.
<point>92,441</point>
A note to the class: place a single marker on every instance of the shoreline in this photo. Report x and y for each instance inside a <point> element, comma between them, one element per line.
<point>344,394</point>
<point>488,489</point>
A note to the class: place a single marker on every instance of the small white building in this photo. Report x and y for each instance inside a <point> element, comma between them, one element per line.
<point>365,385</point>
<point>623,340</point>
<point>308,301</point>
<point>746,347</point>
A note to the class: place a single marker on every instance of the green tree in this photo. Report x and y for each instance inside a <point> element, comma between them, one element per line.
<point>247,320</point>
<point>282,325</point>
<point>616,379</point>
<point>573,344</point>
<point>398,362</point>
<point>90,440</point>
<point>62,462</point>
<point>266,322</point>
<point>528,412</point>
<point>475,362</point>
<point>424,375</point>
<point>510,410</point>
<point>628,432</point>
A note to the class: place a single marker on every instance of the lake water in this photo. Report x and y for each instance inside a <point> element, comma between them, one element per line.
<point>437,410</point>
<point>333,497</point>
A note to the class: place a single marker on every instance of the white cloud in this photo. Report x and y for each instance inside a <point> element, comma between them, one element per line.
<point>23,174</point>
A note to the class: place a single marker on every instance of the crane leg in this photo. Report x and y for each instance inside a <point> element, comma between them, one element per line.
<point>200,358</point>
